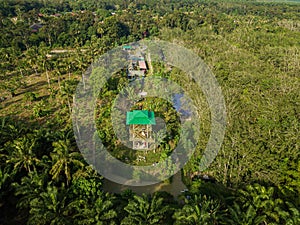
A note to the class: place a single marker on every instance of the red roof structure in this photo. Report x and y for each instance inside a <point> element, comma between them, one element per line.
<point>142,65</point>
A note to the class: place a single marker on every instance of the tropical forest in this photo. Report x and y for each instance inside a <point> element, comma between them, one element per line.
<point>62,61</point>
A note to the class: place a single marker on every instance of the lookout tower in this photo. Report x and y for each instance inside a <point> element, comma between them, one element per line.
<point>140,131</point>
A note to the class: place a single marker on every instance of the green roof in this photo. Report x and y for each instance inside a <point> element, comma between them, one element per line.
<point>140,117</point>
<point>127,47</point>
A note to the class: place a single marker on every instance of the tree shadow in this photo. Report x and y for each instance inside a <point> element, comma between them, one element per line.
<point>32,87</point>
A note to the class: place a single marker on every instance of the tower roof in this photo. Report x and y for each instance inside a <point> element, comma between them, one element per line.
<point>140,117</point>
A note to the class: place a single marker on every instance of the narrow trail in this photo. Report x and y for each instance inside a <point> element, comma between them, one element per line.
<point>148,60</point>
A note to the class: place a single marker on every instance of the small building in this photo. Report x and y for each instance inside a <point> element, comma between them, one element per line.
<point>56,15</point>
<point>142,65</point>
<point>127,47</point>
<point>133,59</point>
<point>143,94</point>
<point>140,131</point>
<point>134,74</point>
<point>35,27</point>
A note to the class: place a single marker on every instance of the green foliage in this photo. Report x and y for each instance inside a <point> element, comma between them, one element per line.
<point>145,210</point>
<point>199,209</point>
<point>102,211</point>
<point>49,207</point>
<point>22,154</point>
<point>253,49</point>
<point>244,216</point>
<point>259,204</point>
<point>63,158</point>
<point>29,188</point>
<point>3,182</point>
<point>30,96</point>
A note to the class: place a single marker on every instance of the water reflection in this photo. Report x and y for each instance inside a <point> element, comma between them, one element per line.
<point>175,188</point>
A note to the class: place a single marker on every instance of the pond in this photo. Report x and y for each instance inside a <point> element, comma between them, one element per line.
<point>175,188</point>
<point>178,102</point>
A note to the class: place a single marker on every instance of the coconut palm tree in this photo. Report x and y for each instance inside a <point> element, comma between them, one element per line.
<point>263,200</point>
<point>199,209</point>
<point>293,217</point>
<point>3,179</point>
<point>32,58</point>
<point>244,216</point>
<point>29,188</point>
<point>50,207</point>
<point>43,62</point>
<point>145,210</point>
<point>101,212</point>
<point>22,155</point>
<point>64,159</point>
<point>66,91</point>
<point>86,191</point>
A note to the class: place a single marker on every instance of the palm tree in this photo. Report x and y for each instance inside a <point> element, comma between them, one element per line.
<point>66,92</point>
<point>145,210</point>
<point>58,72</point>
<point>32,58</point>
<point>81,63</point>
<point>43,62</point>
<point>50,207</point>
<point>199,209</point>
<point>102,211</point>
<point>64,159</point>
<point>22,154</point>
<point>9,130</point>
<point>29,188</point>
<point>293,217</point>
<point>69,64</point>
<point>3,178</point>
<point>84,192</point>
<point>262,200</point>
<point>244,216</point>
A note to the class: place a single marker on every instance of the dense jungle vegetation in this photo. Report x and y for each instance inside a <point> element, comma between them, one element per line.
<point>252,48</point>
